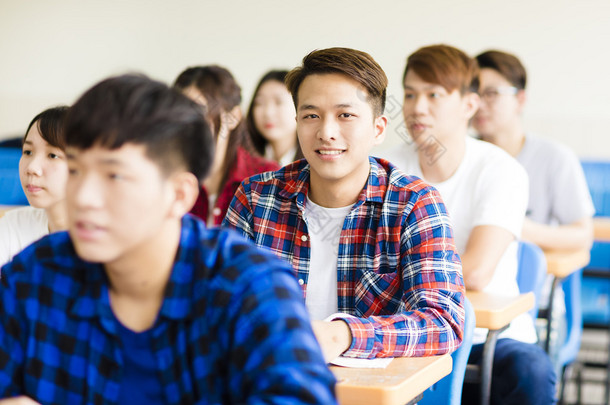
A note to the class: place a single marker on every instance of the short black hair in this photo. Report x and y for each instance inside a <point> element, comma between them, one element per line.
<point>135,109</point>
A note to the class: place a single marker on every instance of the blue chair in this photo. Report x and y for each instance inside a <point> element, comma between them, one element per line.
<point>449,389</point>
<point>568,352</point>
<point>11,192</point>
<point>531,272</point>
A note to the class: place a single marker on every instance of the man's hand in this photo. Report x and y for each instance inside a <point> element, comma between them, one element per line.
<point>334,337</point>
<point>23,400</point>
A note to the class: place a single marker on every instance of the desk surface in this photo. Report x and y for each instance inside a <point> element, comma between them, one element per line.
<point>562,263</point>
<point>601,229</point>
<point>400,382</point>
<point>495,311</point>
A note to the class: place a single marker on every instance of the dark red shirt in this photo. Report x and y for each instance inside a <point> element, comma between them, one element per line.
<point>246,165</point>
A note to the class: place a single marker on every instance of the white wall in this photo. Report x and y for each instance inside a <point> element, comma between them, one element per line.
<point>50,51</point>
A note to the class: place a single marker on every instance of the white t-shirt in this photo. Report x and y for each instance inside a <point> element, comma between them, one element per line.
<point>286,158</point>
<point>324,226</point>
<point>20,227</point>
<point>559,194</point>
<point>488,188</point>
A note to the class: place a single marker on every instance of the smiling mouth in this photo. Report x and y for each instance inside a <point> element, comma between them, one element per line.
<point>330,152</point>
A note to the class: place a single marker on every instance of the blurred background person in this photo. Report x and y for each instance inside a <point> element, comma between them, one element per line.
<point>43,172</point>
<point>215,89</point>
<point>272,120</point>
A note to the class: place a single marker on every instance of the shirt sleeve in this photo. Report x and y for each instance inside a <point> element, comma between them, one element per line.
<point>12,331</point>
<point>432,317</point>
<point>274,356</point>
<point>501,194</point>
<point>239,214</point>
<point>571,199</point>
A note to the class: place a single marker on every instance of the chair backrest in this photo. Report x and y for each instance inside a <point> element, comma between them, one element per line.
<point>449,389</point>
<point>597,173</point>
<point>571,289</point>
<point>531,272</point>
<point>11,192</point>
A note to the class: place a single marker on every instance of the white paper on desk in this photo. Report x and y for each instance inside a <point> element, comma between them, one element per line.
<point>355,362</point>
<point>361,363</point>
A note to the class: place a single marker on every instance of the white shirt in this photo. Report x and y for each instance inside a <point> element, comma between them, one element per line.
<point>20,227</point>
<point>324,226</point>
<point>285,159</point>
<point>489,187</point>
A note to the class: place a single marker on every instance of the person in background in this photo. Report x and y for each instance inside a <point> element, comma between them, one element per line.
<point>372,248</point>
<point>140,303</point>
<point>271,120</point>
<point>43,172</point>
<point>485,191</point>
<point>215,89</point>
<point>559,209</point>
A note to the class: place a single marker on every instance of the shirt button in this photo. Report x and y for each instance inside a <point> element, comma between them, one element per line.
<point>216,211</point>
<point>301,282</point>
<point>304,238</point>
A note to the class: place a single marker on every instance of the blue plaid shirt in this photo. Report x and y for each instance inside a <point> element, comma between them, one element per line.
<point>232,327</point>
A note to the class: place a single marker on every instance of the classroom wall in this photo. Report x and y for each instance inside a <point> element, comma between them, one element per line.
<point>50,51</point>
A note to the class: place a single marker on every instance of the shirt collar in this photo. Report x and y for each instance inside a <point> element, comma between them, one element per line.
<point>178,299</point>
<point>296,176</point>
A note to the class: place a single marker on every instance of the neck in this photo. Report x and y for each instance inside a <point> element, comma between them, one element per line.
<point>439,162</point>
<point>282,146</point>
<point>212,182</point>
<point>339,193</point>
<point>138,282</point>
<point>510,139</point>
<point>57,217</point>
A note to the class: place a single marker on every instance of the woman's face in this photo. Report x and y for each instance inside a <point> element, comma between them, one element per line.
<point>43,171</point>
<point>273,111</point>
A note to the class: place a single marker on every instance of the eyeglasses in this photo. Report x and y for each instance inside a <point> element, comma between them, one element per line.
<point>490,94</point>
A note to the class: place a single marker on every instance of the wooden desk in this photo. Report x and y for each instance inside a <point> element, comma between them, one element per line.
<point>562,263</point>
<point>402,381</point>
<point>494,313</point>
<point>601,229</point>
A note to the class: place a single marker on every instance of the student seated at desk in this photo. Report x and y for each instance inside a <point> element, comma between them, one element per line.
<point>560,209</point>
<point>364,239</point>
<point>43,172</point>
<point>140,303</point>
<point>215,89</point>
<point>485,191</point>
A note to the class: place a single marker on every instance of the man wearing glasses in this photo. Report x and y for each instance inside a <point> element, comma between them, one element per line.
<point>485,192</point>
<point>560,210</point>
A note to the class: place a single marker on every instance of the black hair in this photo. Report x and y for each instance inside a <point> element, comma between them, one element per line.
<point>135,109</point>
<point>51,125</point>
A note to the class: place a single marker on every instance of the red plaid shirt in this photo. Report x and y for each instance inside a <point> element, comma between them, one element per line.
<point>246,165</point>
<point>398,270</point>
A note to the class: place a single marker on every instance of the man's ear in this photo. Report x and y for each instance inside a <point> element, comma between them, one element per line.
<point>472,101</point>
<point>186,191</point>
<point>381,123</point>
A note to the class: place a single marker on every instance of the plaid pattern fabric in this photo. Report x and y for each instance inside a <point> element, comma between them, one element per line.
<point>232,327</point>
<point>398,270</point>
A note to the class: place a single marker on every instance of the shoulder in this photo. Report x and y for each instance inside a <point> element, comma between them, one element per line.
<point>50,262</point>
<point>249,164</point>
<point>488,159</point>
<point>26,216</point>
<point>397,180</point>
<point>549,151</point>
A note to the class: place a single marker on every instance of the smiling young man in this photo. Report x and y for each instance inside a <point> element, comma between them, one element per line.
<point>138,302</point>
<point>368,244</point>
<point>486,195</point>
